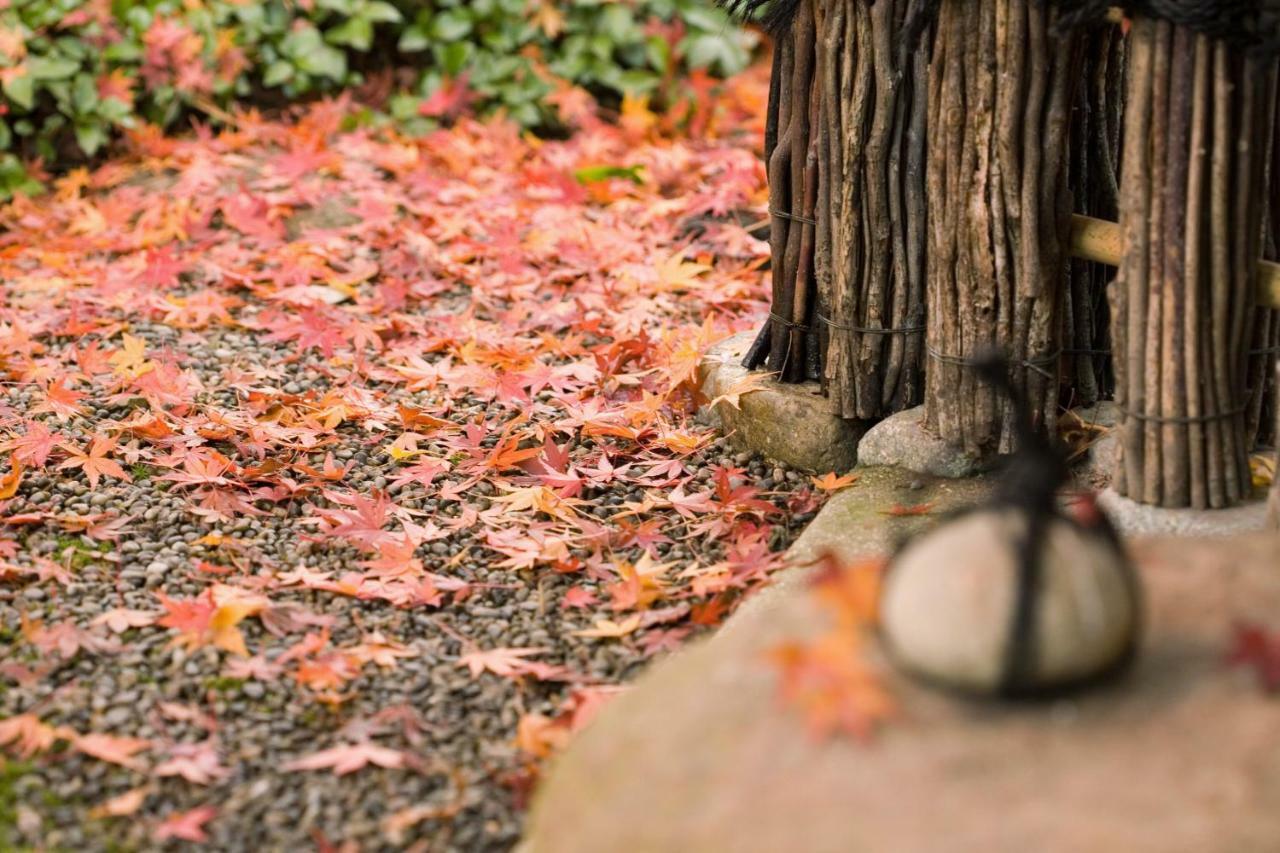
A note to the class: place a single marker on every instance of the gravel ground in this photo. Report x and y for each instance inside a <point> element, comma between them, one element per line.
<point>333,492</point>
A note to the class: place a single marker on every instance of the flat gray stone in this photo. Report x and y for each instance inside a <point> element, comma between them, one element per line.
<point>902,440</point>
<point>701,754</point>
<point>1135,519</point>
<point>859,522</point>
<point>786,423</point>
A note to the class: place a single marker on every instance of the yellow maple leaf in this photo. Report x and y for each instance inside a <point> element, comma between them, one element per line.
<point>131,360</point>
<point>746,385</point>
<point>608,629</point>
<point>676,274</point>
<point>539,499</point>
<point>234,605</point>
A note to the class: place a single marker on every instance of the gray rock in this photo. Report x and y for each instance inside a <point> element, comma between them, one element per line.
<point>1136,519</point>
<point>790,424</point>
<point>902,440</point>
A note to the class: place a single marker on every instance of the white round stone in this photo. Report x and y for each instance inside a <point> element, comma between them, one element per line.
<point>947,604</point>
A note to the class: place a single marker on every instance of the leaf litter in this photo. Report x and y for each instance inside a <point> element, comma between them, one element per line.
<point>402,494</point>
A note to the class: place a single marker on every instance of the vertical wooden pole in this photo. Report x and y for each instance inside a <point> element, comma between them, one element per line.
<point>871,257</point>
<point>1000,99</point>
<point>1196,122</point>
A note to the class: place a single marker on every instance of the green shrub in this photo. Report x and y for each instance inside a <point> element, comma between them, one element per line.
<point>74,72</point>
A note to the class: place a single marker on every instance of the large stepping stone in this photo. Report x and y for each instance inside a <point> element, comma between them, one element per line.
<point>1182,754</point>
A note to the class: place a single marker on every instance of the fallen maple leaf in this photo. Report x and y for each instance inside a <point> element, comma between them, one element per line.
<point>9,482</point>
<point>1254,647</point>
<point>198,763</point>
<point>121,619</point>
<point>506,662</point>
<point>350,758</point>
<point>748,384</point>
<point>123,805</point>
<point>27,734</point>
<point>95,464</point>
<point>112,749</point>
<point>608,629</point>
<point>186,826</point>
<point>676,274</point>
<point>829,482</point>
<point>539,735</point>
<point>828,680</point>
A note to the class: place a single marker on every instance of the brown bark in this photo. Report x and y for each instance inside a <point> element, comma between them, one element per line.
<point>787,343</point>
<point>1000,99</point>
<point>871,264</point>
<point>1196,124</point>
<point>1264,344</point>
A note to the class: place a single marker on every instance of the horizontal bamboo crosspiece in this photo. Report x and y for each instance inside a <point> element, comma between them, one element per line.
<point>1099,240</point>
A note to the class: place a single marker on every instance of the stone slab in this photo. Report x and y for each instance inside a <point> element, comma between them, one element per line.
<point>902,440</point>
<point>855,523</point>
<point>786,423</point>
<point>1134,519</point>
<point>1182,755</point>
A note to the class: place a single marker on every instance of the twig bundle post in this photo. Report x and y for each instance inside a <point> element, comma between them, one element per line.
<point>1197,119</point>
<point>845,145</point>
<point>787,344</point>
<point>871,210</point>
<point>1001,90</point>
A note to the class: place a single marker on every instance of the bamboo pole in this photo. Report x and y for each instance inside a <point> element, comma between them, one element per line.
<point>1099,240</point>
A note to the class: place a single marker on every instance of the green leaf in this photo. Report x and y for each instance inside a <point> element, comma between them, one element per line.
<point>355,32</point>
<point>84,94</point>
<point>451,25</point>
<point>47,68</point>
<point>21,90</point>
<point>90,137</point>
<point>382,13</point>
<point>412,40</point>
<point>277,72</point>
<point>596,174</point>
<point>324,61</point>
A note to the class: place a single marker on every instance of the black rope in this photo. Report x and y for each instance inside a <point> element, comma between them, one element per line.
<point>790,324</point>
<point>1076,351</point>
<point>866,330</point>
<point>1034,364</point>
<point>1265,351</point>
<point>1184,419</point>
<point>784,215</point>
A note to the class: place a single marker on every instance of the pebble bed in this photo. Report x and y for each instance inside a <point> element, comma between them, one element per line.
<point>225,725</point>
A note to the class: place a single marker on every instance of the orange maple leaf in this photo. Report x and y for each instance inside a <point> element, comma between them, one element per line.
<point>95,464</point>
<point>112,749</point>
<point>9,482</point>
<point>27,734</point>
<point>829,482</point>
